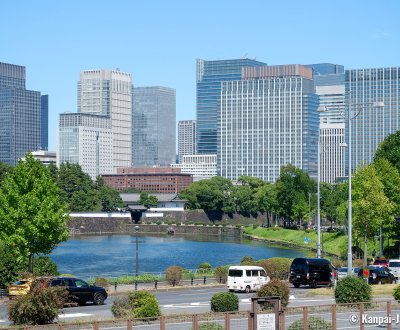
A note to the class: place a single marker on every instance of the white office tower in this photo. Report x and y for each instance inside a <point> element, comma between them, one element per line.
<point>332,153</point>
<point>267,120</point>
<point>200,166</point>
<point>186,138</point>
<point>109,93</point>
<point>86,140</point>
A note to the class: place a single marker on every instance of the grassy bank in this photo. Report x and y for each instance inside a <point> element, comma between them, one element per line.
<point>335,243</point>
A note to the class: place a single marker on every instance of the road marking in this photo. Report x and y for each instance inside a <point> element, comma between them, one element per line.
<point>245,300</point>
<point>292,297</point>
<point>64,316</point>
<point>195,304</point>
<point>2,321</point>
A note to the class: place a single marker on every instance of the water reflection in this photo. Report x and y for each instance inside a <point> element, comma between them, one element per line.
<point>114,255</point>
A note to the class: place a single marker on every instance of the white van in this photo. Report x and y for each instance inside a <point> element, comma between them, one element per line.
<point>394,267</point>
<point>246,278</point>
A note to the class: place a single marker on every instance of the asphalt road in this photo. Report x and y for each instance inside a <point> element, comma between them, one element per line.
<point>197,300</point>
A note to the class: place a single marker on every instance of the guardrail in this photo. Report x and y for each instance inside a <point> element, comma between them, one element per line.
<point>3,293</point>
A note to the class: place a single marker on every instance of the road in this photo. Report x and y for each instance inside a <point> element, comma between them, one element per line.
<point>197,300</point>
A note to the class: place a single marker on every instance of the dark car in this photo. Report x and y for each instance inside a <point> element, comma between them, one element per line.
<point>379,275</point>
<point>381,262</point>
<point>312,272</point>
<point>79,291</point>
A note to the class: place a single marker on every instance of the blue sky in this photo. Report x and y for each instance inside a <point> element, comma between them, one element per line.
<point>158,41</point>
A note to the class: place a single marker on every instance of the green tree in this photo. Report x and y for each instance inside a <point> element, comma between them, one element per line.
<point>293,186</point>
<point>4,170</point>
<point>390,149</point>
<point>266,200</point>
<point>109,198</point>
<point>332,196</point>
<point>148,200</point>
<point>370,205</point>
<point>245,201</point>
<point>33,219</point>
<point>78,189</point>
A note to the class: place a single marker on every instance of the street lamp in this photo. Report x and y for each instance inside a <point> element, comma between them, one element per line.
<point>137,250</point>
<point>360,106</point>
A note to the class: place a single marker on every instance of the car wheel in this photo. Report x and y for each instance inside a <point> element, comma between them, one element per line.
<point>98,299</point>
<point>296,285</point>
<point>81,303</point>
<point>247,290</point>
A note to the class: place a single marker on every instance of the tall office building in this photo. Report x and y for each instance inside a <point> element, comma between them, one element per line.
<point>209,76</point>
<point>371,125</point>
<point>20,115</point>
<point>109,93</point>
<point>186,138</point>
<point>87,140</point>
<point>330,87</point>
<point>267,120</point>
<point>153,126</point>
<point>44,122</point>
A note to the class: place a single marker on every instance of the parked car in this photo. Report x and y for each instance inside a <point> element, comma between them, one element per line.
<point>394,267</point>
<point>19,288</point>
<point>246,278</point>
<point>381,262</point>
<point>378,275</point>
<point>312,272</point>
<point>342,272</point>
<point>79,291</point>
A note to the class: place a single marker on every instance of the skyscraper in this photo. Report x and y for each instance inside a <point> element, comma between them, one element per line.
<point>267,120</point>
<point>109,93</point>
<point>186,138</point>
<point>371,125</point>
<point>44,122</point>
<point>20,115</point>
<point>87,140</point>
<point>209,76</point>
<point>153,126</point>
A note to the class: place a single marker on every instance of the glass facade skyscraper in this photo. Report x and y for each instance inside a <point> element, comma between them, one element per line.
<point>20,115</point>
<point>209,76</point>
<point>372,125</point>
<point>267,120</point>
<point>44,122</point>
<point>186,138</point>
<point>153,126</point>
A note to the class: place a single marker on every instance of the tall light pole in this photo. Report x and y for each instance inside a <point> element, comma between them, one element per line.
<point>319,198</point>
<point>137,250</point>
<point>350,210</point>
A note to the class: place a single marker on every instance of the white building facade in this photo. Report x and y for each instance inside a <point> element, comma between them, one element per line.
<point>200,166</point>
<point>86,140</point>
<point>109,93</point>
<point>186,138</point>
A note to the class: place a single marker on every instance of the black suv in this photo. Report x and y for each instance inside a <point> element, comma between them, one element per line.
<point>312,272</point>
<point>79,291</point>
<point>378,275</point>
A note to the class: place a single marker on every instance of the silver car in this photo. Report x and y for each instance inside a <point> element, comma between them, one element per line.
<point>342,272</point>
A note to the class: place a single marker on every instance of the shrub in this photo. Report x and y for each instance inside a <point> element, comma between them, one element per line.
<point>396,293</point>
<point>314,323</point>
<point>137,304</point>
<point>43,265</point>
<point>121,307</point>
<point>101,281</point>
<point>352,289</point>
<point>174,273</point>
<point>40,306</point>
<point>338,263</point>
<point>275,287</point>
<point>276,267</point>
<point>248,261</point>
<point>221,272</point>
<point>224,302</point>
<point>204,266</point>
<point>211,326</point>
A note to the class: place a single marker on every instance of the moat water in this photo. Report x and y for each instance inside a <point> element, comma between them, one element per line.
<point>114,255</point>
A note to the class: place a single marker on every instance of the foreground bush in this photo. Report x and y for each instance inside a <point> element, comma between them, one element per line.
<point>224,302</point>
<point>211,326</point>
<point>352,289</point>
<point>275,288</point>
<point>248,261</point>
<point>314,323</point>
<point>174,273</point>
<point>221,272</point>
<point>276,267</point>
<point>40,306</point>
<point>137,304</point>
<point>396,293</point>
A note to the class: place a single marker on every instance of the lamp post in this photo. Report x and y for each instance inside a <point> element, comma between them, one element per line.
<point>350,210</point>
<point>319,199</point>
<point>137,250</point>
